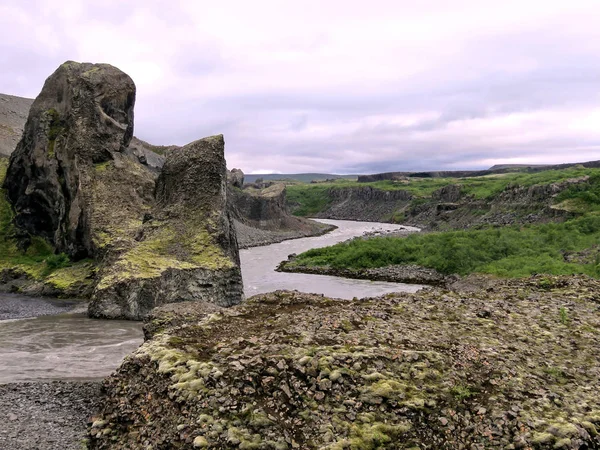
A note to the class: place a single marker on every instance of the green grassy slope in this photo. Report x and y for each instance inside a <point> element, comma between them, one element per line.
<point>572,247</point>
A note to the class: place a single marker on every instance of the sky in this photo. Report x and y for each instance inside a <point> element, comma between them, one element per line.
<point>332,86</point>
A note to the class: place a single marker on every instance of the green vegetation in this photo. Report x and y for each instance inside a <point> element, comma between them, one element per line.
<point>39,260</point>
<point>508,251</point>
<point>313,198</point>
<point>572,247</point>
<point>56,127</point>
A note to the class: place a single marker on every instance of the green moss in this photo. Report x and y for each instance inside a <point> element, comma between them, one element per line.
<point>101,167</point>
<point>368,436</point>
<point>56,127</point>
<point>167,249</point>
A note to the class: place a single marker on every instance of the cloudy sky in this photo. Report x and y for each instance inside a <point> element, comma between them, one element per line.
<point>350,86</point>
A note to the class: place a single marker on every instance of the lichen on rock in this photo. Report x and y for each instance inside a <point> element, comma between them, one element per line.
<point>186,249</point>
<point>495,367</point>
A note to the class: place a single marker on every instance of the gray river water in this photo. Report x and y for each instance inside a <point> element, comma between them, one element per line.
<point>70,346</point>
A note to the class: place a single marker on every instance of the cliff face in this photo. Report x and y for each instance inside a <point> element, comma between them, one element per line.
<point>157,229</point>
<point>261,214</point>
<point>186,250</point>
<point>364,203</point>
<point>448,207</point>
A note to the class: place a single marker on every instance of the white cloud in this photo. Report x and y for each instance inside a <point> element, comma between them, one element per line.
<point>336,85</point>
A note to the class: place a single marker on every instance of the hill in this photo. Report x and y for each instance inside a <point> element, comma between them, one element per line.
<point>13,114</point>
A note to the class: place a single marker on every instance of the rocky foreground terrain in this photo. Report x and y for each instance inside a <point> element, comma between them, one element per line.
<point>494,364</point>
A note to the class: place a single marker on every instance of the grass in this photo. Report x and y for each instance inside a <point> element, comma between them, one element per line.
<point>507,251</point>
<point>313,198</point>
<point>310,198</point>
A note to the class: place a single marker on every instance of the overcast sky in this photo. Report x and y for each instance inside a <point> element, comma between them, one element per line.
<point>351,86</point>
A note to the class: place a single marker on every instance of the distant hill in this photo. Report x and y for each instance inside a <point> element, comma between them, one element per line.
<point>303,177</point>
<point>497,169</point>
<point>13,114</point>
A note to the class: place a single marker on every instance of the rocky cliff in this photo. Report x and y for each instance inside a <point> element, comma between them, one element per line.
<point>186,250</point>
<point>156,235</point>
<point>364,203</point>
<point>13,114</point>
<point>261,214</point>
<point>449,207</point>
<point>495,365</point>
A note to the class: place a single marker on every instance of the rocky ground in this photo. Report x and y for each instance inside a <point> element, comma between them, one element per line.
<point>16,306</point>
<point>13,114</point>
<point>47,416</point>
<point>255,237</point>
<point>500,364</point>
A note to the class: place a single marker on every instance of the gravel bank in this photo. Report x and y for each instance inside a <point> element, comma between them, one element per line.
<point>254,237</point>
<point>15,306</point>
<point>46,416</point>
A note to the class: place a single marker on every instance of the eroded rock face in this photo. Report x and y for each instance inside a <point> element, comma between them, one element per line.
<point>509,364</point>
<point>81,121</point>
<point>186,250</point>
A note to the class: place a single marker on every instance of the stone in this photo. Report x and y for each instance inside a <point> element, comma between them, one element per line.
<point>186,250</point>
<point>60,179</point>
<point>236,178</point>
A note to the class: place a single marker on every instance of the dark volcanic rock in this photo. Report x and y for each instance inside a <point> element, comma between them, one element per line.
<point>13,114</point>
<point>450,193</point>
<point>186,249</point>
<point>83,118</point>
<point>512,365</point>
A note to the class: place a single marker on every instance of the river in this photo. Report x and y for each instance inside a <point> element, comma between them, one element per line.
<point>69,346</point>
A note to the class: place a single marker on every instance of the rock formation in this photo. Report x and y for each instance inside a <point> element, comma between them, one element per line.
<point>236,178</point>
<point>262,217</point>
<point>510,364</point>
<point>69,180</point>
<point>186,250</point>
<point>156,235</point>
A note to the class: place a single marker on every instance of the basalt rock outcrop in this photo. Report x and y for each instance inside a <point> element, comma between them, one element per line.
<point>186,249</point>
<point>57,180</point>
<point>262,217</point>
<point>157,227</point>
<point>449,207</point>
<point>364,203</point>
<point>512,364</point>
<point>235,177</point>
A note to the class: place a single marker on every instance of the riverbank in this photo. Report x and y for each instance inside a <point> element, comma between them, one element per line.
<point>17,306</point>
<point>411,274</point>
<point>249,237</point>
<point>47,416</point>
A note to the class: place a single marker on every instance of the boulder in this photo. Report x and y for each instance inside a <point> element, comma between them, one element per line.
<point>69,179</point>
<point>186,250</point>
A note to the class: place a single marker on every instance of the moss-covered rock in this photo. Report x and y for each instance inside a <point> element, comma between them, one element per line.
<point>495,368</point>
<point>186,249</point>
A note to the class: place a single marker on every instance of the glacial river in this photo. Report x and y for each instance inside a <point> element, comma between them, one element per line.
<point>69,346</point>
